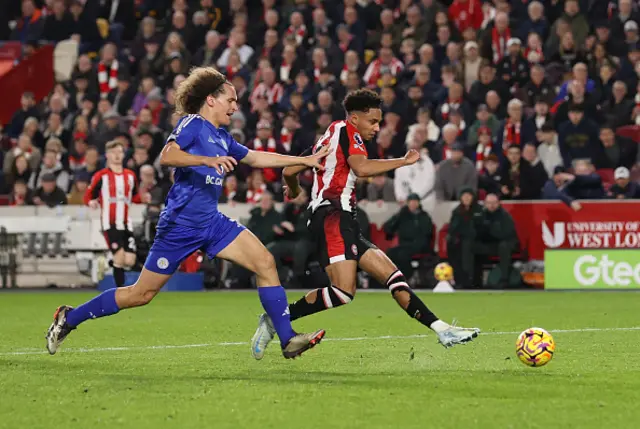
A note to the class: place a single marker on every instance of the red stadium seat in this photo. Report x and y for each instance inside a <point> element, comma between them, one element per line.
<point>630,131</point>
<point>606,174</point>
<point>379,238</point>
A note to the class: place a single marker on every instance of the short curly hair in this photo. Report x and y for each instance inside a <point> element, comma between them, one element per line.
<point>361,100</point>
<point>194,90</point>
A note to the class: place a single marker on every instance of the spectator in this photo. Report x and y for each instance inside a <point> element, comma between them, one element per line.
<point>415,234</point>
<point>521,180</point>
<point>59,25</point>
<point>48,193</point>
<point>471,64</point>
<point>495,40</point>
<point>533,124</point>
<point>618,151</point>
<point>423,120</point>
<point>108,69</point>
<point>465,219</point>
<point>490,179</point>
<point>20,171</point>
<point>385,61</point>
<point>549,149</point>
<point>294,239</point>
<point>537,87</point>
<point>454,174</point>
<point>617,110</point>
<point>484,119</point>
<point>50,166</point>
<point>510,133</point>
<point>514,68</point>
<point>496,236</point>
<point>55,130</point>
<point>586,184</point>
<point>78,189</point>
<point>623,188</point>
<point>536,22</point>
<point>381,189</point>
<point>30,25</point>
<point>538,174</point>
<point>23,148</point>
<point>21,195</point>
<point>578,137</point>
<point>27,110</point>
<point>418,178</point>
<point>232,192</point>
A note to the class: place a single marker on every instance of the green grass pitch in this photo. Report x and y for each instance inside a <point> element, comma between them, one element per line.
<point>121,371</point>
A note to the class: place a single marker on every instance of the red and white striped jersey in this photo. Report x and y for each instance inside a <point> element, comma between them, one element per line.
<point>336,183</point>
<point>116,192</point>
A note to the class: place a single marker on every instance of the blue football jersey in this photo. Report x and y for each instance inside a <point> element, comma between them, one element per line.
<point>193,198</point>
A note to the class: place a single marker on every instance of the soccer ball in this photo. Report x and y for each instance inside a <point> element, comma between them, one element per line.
<point>443,272</point>
<point>535,347</point>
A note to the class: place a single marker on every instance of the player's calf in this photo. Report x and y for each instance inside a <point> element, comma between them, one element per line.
<point>319,300</point>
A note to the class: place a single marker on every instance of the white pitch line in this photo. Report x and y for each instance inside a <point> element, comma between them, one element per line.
<point>244,343</point>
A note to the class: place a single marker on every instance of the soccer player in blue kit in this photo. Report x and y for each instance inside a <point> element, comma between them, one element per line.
<point>201,152</point>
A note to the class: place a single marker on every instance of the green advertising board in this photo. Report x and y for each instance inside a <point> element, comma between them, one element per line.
<point>592,269</point>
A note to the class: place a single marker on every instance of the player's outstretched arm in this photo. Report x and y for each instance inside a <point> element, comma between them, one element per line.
<point>364,167</point>
<point>258,159</point>
<point>173,156</point>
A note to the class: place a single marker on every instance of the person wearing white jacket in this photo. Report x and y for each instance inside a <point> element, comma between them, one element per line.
<point>419,178</point>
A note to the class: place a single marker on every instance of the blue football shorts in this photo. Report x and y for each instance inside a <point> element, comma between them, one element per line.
<point>174,242</point>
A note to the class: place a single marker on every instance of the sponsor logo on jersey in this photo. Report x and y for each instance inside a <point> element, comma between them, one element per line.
<point>213,180</point>
<point>359,144</point>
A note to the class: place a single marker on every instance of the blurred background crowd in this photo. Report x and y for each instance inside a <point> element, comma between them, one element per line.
<point>522,99</point>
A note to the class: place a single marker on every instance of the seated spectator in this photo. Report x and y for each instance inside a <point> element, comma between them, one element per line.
<point>513,69</point>
<point>27,110</point>
<point>294,240</point>
<point>78,189</point>
<point>50,166</point>
<point>263,223</point>
<point>21,195</point>
<point>20,171</point>
<point>537,87</point>
<point>30,25</point>
<point>533,124</point>
<point>624,188</point>
<point>496,236</point>
<point>415,234</point>
<point>48,193</point>
<point>483,119</point>
<point>521,181</point>
<point>618,151</point>
<point>381,189</point>
<point>463,226</point>
<point>617,110</point>
<point>538,175</point>
<point>489,179</point>
<point>455,174</point>
<point>585,184</point>
<point>549,150</point>
<point>578,137</point>
<point>510,133</point>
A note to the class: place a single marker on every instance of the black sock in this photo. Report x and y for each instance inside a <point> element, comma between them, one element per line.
<point>118,276</point>
<point>413,305</point>
<point>326,297</point>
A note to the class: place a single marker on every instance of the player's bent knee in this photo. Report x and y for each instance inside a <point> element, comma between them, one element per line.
<point>265,264</point>
<point>129,260</point>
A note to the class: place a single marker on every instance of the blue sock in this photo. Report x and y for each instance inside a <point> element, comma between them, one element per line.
<point>100,306</point>
<point>274,301</point>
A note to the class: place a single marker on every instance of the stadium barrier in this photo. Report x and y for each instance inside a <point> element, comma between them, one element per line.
<point>49,236</point>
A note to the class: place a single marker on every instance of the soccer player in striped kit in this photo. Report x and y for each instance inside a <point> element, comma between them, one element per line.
<point>112,190</point>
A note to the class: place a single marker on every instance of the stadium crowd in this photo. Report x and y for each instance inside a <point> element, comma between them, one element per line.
<point>523,99</point>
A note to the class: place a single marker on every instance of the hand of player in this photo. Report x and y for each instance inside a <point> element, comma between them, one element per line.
<point>222,164</point>
<point>314,160</point>
<point>94,204</point>
<point>411,157</point>
<point>290,193</point>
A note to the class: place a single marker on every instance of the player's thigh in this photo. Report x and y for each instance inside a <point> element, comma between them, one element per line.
<point>129,259</point>
<point>377,264</point>
<point>119,257</point>
<point>246,250</point>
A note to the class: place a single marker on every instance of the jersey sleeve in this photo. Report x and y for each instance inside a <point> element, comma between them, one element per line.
<point>351,143</point>
<point>186,132</point>
<point>236,150</point>
<point>94,189</point>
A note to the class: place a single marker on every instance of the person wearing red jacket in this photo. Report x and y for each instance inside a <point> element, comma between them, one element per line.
<point>465,14</point>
